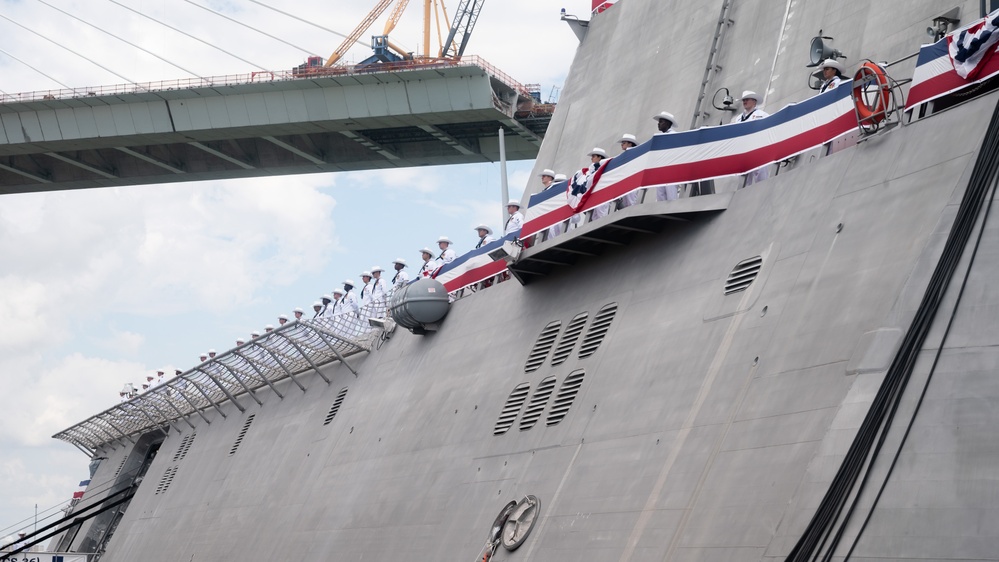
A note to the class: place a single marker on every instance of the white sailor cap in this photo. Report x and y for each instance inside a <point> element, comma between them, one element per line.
<point>628,137</point>
<point>560,177</point>
<point>150,377</point>
<point>327,298</point>
<point>598,152</point>
<point>254,334</point>
<point>240,341</point>
<point>513,203</point>
<point>486,228</point>
<point>337,291</point>
<point>317,303</point>
<point>750,95</point>
<point>298,309</point>
<point>211,352</point>
<point>444,239</point>
<point>268,327</point>
<point>426,251</point>
<point>399,261</point>
<point>349,282</point>
<point>365,274</point>
<point>282,316</point>
<point>547,172</point>
<point>834,64</point>
<point>376,269</point>
<point>665,115</point>
<point>203,354</point>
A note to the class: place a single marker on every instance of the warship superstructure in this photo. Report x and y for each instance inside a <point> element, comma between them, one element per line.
<point>804,368</point>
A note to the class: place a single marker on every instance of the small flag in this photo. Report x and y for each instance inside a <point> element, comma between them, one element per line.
<point>77,495</point>
<point>84,483</point>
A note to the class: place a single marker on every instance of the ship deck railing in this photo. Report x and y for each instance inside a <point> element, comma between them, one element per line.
<point>286,353</point>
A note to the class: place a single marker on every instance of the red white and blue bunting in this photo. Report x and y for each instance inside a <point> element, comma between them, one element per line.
<point>963,58</point>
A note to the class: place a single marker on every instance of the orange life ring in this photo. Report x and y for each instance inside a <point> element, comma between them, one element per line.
<point>870,113</point>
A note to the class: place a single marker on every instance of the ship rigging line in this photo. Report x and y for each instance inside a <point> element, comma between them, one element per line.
<point>863,451</point>
<point>274,37</point>
<point>134,11</point>
<point>144,50</point>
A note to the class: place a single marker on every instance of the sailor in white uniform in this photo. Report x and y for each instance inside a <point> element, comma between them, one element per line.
<point>559,227</point>
<point>350,301</point>
<point>666,125</point>
<point>596,157</point>
<point>485,235</point>
<point>400,278</point>
<point>318,308</point>
<point>547,178</point>
<point>365,294</point>
<point>326,302</point>
<point>298,314</point>
<point>267,328</point>
<point>428,264</point>
<point>832,74</point>
<point>282,319</point>
<point>378,290</point>
<point>516,220</point>
<point>751,112</point>
<point>337,307</point>
<point>447,253</point>
<point>627,142</point>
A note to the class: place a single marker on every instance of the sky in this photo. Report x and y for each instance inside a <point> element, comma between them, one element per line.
<point>101,287</point>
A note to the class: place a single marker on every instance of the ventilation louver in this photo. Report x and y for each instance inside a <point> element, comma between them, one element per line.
<point>598,329</point>
<point>537,404</point>
<point>512,408</point>
<point>165,481</point>
<point>743,275</point>
<point>120,466</point>
<point>542,346</point>
<point>568,341</point>
<point>185,446</point>
<point>242,434</point>
<point>336,406</point>
<point>566,394</point>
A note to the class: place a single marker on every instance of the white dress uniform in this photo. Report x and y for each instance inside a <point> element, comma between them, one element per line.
<point>378,290</point>
<point>484,241</point>
<point>350,303</point>
<point>447,256</point>
<point>600,210</point>
<point>514,223</point>
<point>670,192</point>
<point>365,293</point>
<point>762,172</point>
<point>400,279</point>
<point>428,268</point>
<point>830,84</point>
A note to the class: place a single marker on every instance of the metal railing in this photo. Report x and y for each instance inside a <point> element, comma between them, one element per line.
<point>234,376</point>
<point>260,77</point>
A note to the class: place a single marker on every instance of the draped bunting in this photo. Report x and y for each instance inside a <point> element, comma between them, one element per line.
<point>936,72</point>
<point>473,266</point>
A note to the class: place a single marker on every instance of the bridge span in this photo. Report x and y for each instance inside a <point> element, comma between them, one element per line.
<point>272,123</point>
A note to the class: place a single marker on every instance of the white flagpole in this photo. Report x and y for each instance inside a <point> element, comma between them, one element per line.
<point>503,185</point>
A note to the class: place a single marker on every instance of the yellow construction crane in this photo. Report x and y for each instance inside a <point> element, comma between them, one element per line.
<point>432,10</point>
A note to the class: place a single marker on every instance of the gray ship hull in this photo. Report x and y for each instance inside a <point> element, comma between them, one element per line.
<point>706,426</point>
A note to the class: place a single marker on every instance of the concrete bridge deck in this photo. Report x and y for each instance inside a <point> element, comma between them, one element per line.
<point>263,124</point>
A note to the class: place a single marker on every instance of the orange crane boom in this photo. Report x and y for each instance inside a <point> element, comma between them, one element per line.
<point>340,51</point>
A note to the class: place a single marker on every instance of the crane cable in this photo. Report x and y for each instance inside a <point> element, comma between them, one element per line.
<point>863,452</point>
<point>195,74</point>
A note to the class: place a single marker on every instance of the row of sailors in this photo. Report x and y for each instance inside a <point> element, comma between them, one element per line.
<point>665,124</point>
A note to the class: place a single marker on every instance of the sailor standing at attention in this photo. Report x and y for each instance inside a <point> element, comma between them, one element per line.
<point>832,74</point>
<point>350,303</point>
<point>484,236</point>
<point>752,112</point>
<point>366,288</point>
<point>326,303</point>
<point>400,278</point>
<point>627,142</point>
<point>597,156</point>
<point>557,228</point>
<point>378,290</point>
<point>298,314</point>
<point>547,177</point>
<point>447,253</point>
<point>337,307</point>
<point>428,266</point>
<point>318,307</point>
<point>665,125</point>
<point>516,220</point>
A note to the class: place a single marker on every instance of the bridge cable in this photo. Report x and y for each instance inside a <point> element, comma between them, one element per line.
<point>274,37</point>
<point>233,55</point>
<point>301,19</point>
<point>35,69</point>
<point>91,61</point>
<point>195,74</point>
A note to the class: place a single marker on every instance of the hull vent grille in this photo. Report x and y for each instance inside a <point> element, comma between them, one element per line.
<point>568,341</point>
<point>743,275</point>
<point>512,408</point>
<point>165,481</point>
<point>598,329</point>
<point>120,466</point>
<point>336,406</point>
<point>537,404</point>
<point>541,348</point>
<point>242,434</point>
<point>185,446</point>
<point>566,395</point>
